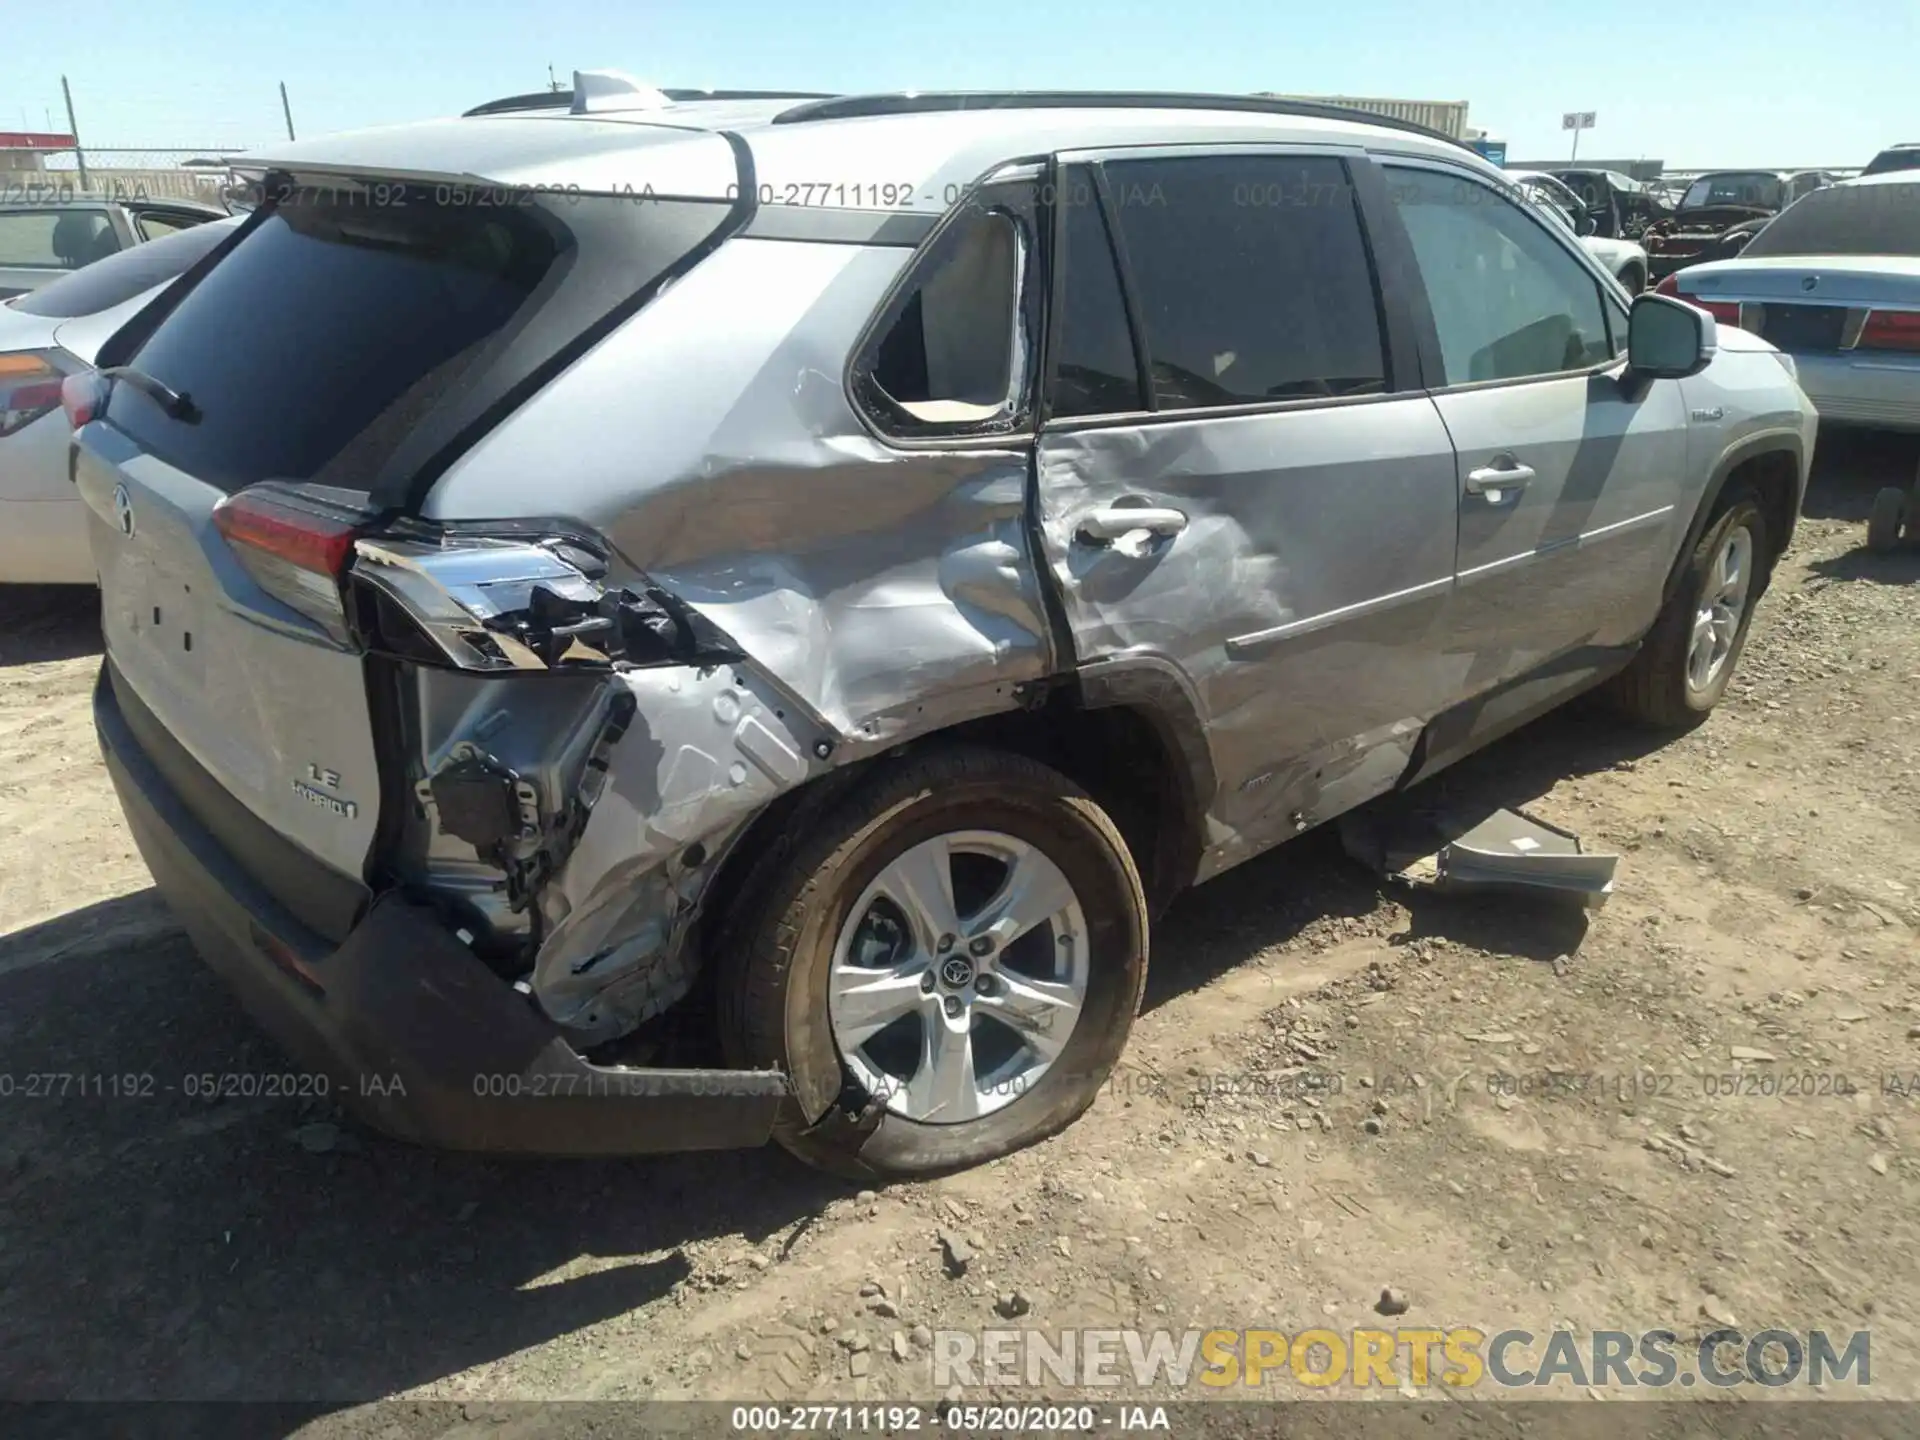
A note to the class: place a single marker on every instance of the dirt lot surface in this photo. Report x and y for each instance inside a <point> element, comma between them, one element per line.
<point>1513,1116</point>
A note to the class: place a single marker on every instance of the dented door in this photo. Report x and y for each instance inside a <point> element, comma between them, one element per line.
<point>1230,483</point>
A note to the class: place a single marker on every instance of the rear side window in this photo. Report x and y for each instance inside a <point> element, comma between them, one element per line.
<point>1251,278</point>
<point>118,278</point>
<point>63,239</point>
<point>1508,300</point>
<point>1094,368</point>
<point>949,354</point>
<point>344,341</point>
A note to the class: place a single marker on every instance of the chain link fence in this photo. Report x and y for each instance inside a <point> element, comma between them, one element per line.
<point>127,173</point>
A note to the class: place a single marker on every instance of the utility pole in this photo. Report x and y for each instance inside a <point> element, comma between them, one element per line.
<point>73,129</point>
<point>553,83</point>
<point>286,109</point>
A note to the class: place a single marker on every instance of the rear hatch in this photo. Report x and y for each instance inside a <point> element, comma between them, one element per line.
<point>360,333</point>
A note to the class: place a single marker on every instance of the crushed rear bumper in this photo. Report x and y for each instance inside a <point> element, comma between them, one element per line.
<point>415,1034</point>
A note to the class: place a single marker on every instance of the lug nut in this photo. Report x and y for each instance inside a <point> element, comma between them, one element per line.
<point>953,1005</point>
<point>981,945</point>
<point>946,943</point>
<point>926,981</point>
<point>983,985</point>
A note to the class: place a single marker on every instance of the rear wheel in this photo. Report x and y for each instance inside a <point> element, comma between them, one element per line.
<point>946,966</point>
<point>1885,519</point>
<point>1689,655</point>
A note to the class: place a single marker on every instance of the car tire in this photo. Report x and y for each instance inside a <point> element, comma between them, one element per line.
<point>822,915</point>
<point>1689,655</point>
<point>1633,279</point>
<point>1884,520</point>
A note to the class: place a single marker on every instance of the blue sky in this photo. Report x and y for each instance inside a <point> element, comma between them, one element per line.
<point>1695,82</point>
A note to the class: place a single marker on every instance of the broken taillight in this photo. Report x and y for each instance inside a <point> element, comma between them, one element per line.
<point>83,396</point>
<point>296,542</point>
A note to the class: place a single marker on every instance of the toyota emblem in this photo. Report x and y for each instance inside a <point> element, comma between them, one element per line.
<point>957,972</point>
<point>123,510</point>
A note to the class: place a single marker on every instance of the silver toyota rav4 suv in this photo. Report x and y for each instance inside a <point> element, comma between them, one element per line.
<point>824,573</point>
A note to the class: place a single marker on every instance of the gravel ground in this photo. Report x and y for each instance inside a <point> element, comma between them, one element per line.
<point>1511,1116</point>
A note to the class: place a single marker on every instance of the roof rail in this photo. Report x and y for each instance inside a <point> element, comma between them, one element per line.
<point>848,107</point>
<point>563,99</point>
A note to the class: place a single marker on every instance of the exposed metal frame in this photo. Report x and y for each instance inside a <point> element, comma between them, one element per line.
<point>850,107</point>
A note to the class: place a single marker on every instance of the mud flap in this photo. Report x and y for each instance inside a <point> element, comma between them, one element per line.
<point>853,1116</point>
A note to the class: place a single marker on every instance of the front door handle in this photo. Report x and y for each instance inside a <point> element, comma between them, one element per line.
<point>1497,484</point>
<point>1130,529</point>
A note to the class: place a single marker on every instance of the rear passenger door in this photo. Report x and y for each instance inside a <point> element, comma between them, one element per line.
<point>1568,468</point>
<point>1240,483</point>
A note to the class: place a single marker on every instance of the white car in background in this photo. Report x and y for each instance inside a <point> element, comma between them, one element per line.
<point>1625,260</point>
<point>1833,281</point>
<point>46,335</point>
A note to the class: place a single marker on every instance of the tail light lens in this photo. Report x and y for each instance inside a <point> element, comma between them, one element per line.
<point>1890,330</point>
<point>296,542</point>
<point>83,397</point>
<point>1669,286</point>
<point>30,386</point>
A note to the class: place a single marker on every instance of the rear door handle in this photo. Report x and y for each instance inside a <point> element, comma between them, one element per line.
<point>1130,529</point>
<point>1499,485</point>
<point>1113,521</point>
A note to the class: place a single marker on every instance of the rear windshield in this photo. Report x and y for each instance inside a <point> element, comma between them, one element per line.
<point>1888,161</point>
<point>355,331</point>
<point>118,278</point>
<point>1755,188</point>
<point>1846,220</point>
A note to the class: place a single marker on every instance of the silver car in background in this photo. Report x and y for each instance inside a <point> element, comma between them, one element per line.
<point>852,562</point>
<point>1626,260</point>
<point>46,336</point>
<point>1834,282</point>
<point>55,230</point>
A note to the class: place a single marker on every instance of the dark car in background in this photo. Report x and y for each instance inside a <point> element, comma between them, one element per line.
<point>1719,213</point>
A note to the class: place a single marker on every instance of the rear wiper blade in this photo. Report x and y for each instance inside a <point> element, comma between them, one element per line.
<point>176,404</point>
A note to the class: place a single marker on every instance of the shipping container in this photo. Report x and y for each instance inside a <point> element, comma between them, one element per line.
<point>1449,117</point>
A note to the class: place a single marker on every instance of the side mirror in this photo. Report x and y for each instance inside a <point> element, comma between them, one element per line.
<point>1668,339</point>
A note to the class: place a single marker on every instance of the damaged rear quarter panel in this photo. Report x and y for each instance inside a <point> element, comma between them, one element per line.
<point>712,441</point>
<point>877,593</point>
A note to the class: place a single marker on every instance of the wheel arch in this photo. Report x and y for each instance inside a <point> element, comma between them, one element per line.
<point>1128,732</point>
<point>1772,463</point>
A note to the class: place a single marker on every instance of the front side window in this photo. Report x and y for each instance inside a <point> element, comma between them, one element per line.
<point>1508,300</point>
<point>1252,280</point>
<point>950,354</point>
